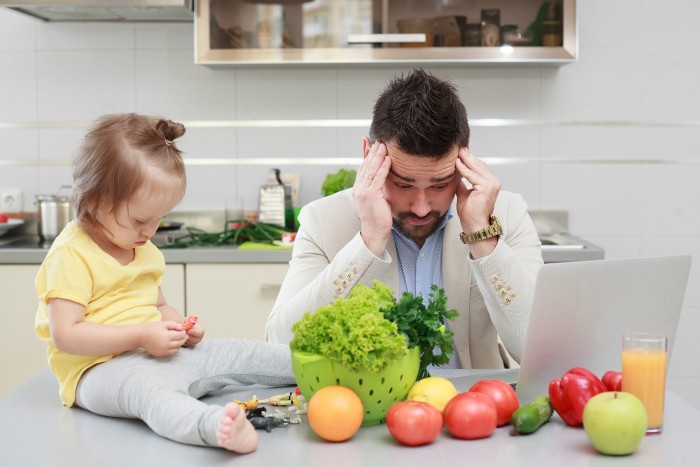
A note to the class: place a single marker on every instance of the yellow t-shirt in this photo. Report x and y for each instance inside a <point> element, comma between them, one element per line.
<point>77,269</point>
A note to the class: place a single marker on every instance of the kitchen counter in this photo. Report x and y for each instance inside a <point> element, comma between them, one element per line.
<point>32,253</point>
<point>36,430</point>
<point>29,252</point>
<point>23,246</point>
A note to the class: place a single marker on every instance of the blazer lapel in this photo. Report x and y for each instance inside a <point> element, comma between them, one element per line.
<point>456,278</point>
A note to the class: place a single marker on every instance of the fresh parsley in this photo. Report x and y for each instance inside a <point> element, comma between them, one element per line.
<point>425,326</point>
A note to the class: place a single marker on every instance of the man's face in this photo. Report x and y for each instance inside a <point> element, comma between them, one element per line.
<point>420,190</point>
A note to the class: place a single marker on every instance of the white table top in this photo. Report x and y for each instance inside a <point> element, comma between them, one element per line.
<point>35,430</point>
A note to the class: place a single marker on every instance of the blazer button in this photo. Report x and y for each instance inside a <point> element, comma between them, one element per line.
<point>355,269</point>
<point>495,278</point>
<point>507,299</point>
<point>498,285</point>
<point>339,289</point>
<point>503,292</point>
<point>349,275</point>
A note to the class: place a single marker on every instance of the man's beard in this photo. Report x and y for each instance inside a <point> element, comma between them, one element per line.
<point>417,233</point>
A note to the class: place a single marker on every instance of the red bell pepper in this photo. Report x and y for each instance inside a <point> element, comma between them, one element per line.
<point>612,380</point>
<point>570,394</point>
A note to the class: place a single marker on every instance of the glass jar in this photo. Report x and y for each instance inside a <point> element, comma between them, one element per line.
<point>551,34</point>
<point>473,35</point>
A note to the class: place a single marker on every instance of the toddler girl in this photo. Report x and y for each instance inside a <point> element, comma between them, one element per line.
<point>115,345</point>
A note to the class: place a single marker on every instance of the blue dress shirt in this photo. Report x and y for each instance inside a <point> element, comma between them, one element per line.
<point>420,268</point>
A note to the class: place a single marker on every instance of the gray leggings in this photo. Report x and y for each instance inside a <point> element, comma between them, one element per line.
<point>164,391</point>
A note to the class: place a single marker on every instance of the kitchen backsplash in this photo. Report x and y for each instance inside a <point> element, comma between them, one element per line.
<point>611,138</point>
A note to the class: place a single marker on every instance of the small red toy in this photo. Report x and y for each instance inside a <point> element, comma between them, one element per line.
<point>189,323</point>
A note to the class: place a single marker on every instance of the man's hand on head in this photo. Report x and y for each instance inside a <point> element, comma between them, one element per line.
<point>368,193</point>
<point>475,205</point>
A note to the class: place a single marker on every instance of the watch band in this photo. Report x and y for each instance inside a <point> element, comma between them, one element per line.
<point>492,230</point>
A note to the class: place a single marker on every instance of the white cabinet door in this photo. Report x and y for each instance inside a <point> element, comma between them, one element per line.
<point>233,300</point>
<point>173,286</point>
<point>22,355</point>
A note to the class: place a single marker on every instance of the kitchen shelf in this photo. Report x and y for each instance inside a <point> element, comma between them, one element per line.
<point>384,54</point>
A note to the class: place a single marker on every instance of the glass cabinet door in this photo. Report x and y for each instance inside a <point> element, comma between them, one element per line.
<point>385,31</point>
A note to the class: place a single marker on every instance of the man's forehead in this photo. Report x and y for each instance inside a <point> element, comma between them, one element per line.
<point>409,167</point>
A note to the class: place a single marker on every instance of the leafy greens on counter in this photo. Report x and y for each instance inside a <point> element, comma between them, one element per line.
<point>371,329</point>
<point>424,326</point>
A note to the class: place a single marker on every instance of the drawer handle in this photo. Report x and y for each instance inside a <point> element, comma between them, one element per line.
<point>384,38</point>
<point>270,288</point>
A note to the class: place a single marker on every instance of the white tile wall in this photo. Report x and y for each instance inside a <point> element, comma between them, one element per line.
<point>83,84</point>
<point>168,83</point>
<point>630,187</point>
<point>18,90</point>
<point>286,94</point>
<point>17,31</point>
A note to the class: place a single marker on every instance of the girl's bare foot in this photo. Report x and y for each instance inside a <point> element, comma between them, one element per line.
<point>234,432</point>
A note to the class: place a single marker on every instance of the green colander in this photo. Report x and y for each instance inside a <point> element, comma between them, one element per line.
<point>377,391</point>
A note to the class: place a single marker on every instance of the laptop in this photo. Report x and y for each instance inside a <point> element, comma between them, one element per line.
<point>580,311</point>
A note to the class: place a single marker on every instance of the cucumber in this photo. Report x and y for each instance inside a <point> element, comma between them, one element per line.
<point>529,417</point>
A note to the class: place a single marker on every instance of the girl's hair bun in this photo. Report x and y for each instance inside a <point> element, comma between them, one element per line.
<point>170,130</point>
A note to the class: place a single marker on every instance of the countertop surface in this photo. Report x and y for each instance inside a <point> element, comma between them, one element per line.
<point>22,246</point>
<point>33,253</point>
<point>35,430</point>
<point>29,251</point>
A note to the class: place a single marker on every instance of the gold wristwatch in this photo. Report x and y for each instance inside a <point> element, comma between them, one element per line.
<point>492,230</point>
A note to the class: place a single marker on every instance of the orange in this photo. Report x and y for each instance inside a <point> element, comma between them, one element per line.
<point>335,413</point>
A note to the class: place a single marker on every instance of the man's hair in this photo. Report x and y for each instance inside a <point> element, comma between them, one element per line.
<point>422,114</point>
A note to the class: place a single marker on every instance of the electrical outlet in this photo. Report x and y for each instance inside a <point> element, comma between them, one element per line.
<point>10,200</point>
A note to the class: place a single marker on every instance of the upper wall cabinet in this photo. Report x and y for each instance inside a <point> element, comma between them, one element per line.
<point>277,32</point>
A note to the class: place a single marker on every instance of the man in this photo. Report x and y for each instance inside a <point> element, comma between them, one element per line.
<point>421,212</point>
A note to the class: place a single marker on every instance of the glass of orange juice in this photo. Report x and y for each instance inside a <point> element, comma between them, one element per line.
<point>644,373</point>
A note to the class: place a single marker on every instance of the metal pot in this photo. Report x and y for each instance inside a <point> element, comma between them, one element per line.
<point>53,214</point>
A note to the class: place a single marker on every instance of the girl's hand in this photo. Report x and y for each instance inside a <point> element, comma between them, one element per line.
<point>162,338</point>
<point>194,336</point>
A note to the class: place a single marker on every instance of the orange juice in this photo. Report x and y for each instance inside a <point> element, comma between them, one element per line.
<point>644,375</point>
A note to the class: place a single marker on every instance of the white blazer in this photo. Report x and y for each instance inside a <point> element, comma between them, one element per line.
<point>493,294</point>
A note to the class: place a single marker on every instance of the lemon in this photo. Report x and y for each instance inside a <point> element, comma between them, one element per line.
<point>435,390</point>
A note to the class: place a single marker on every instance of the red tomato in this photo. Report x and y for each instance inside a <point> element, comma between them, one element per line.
<point>502,394</point>
<point>3,218</point>
<point>414,423</point>
<point>612,380</point>
<point>471,415</point>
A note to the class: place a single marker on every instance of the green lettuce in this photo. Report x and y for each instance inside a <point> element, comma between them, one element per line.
<point>338,181</point>
<point>352,331</point>
<point>371,329</point>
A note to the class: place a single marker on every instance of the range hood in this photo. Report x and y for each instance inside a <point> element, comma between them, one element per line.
<point>105,10</point>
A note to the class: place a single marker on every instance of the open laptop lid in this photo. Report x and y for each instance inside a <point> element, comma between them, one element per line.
<point>580,311</point>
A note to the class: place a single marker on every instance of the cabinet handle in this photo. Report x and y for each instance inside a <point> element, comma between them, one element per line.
<point>270,288</point>
<point>384,38</point>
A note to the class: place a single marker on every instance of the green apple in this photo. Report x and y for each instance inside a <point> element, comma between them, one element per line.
<point>615,422</point>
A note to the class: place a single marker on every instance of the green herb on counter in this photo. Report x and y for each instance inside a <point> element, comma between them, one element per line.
<point>425,327</point>
<point>248,232</point>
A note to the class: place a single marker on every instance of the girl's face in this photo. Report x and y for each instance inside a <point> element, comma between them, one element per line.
<point>133,223</point>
